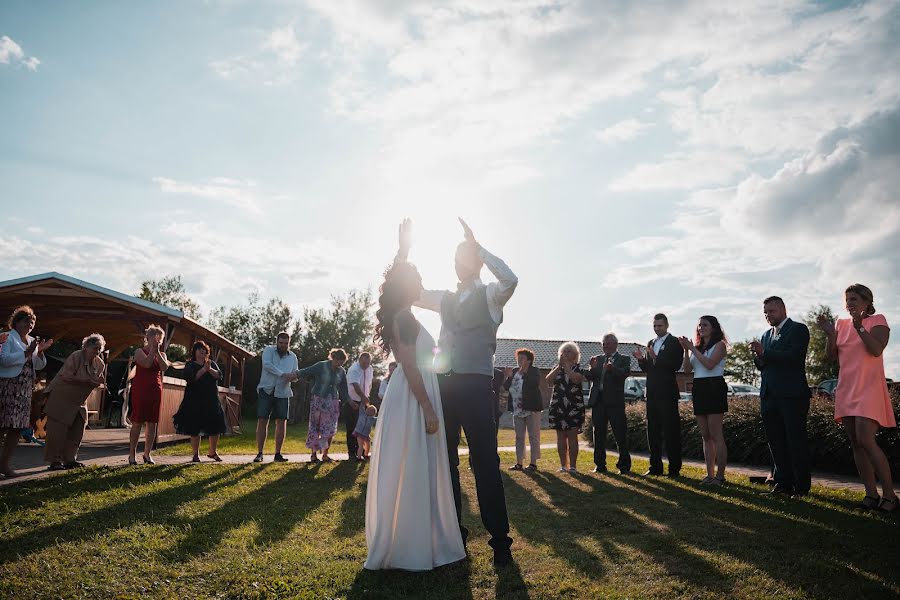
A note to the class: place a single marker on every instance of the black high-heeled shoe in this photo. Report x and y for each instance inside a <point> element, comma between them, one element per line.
<point>132,461</point>
<point>148,460</point>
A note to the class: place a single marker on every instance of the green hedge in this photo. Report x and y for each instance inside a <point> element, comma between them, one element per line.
<point>746,437</point>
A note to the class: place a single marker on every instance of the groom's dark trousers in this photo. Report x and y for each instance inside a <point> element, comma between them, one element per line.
<point>468,404</point>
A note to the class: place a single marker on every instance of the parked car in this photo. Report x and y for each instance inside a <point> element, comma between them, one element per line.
<point>825,388</point>
<point>742,389</point>
<point>686,397</point>
<point>635,389</point>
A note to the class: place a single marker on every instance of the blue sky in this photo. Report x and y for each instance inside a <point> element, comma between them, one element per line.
<point>624,159</point>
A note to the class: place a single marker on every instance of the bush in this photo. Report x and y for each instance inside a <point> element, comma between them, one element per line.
<point>746,438</point>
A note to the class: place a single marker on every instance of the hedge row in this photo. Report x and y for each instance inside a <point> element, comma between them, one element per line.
<point>746,438</point>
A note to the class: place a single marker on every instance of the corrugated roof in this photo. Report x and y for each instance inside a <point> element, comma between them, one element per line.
<point>546,352</point>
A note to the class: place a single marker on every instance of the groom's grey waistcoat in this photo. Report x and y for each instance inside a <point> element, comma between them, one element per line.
<point>469,334</point>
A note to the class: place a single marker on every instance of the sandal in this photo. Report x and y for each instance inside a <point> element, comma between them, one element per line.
<point>215,457</point>
<point>869,503</point>
<point>132,461</point>
<point>888,505</point>
<point>516,467</point>
<point>327,459</point>
<point>315,459</point>
<point>196,459</point>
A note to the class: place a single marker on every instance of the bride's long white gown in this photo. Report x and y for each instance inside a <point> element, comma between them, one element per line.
<point>411,519</point>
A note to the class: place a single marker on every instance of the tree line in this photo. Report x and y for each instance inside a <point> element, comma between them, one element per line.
<point>347,322</point>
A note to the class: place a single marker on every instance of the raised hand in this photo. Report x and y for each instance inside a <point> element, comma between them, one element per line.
<point>507,372</point>
<point>686,343</point>
<point>44,345</point>
<point>405,234</point>
<point>825,324</point>
<point>756,347</point>
<point>857,319</point>
<point>467,231</point>
<point>638,354</point>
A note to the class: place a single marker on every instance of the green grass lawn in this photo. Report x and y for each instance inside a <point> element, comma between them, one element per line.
<point>295,440</point>
<point>270,530</point>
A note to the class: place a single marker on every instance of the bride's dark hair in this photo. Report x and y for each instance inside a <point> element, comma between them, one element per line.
<point>402,286</point>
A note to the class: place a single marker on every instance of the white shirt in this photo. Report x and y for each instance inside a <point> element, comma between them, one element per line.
<point>701,372</point>
<point>779,326</point>
<point>273,367</point>
<point>12,356</point>
<point>658,343</point>
<point>382,388</point>
<point>362,377</point>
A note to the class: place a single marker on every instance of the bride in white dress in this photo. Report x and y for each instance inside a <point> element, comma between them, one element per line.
<point>411,519</point>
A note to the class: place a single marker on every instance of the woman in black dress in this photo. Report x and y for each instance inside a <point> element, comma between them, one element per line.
<point>566,410</point>
<point>201,412</point>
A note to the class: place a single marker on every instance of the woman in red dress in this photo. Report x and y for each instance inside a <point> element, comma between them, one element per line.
<point>146,392</point>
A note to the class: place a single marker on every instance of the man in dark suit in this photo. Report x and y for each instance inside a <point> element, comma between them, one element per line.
<point>607,400</point>
<point>784,396</point>
<point>661,364</point>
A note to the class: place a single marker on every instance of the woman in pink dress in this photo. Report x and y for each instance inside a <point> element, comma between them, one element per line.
<point>862,403</point>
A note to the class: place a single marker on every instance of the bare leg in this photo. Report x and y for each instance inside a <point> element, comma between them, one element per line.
<point>709,446</point>
<point>860,457</point>
<point>573,447</point>
<point>865,435</point>
<point>718,436</point>
<point>280,431</point>
<point>561,448</point>
<point>134,437</point>
<point>149,438</point>
<point>10,442</point>
<point>262,430</point>
<point>327,447</point>
<point>213,445</point>
<point>195,446</point>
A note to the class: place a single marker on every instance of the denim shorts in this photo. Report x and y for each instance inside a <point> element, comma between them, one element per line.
<point>270,406</point>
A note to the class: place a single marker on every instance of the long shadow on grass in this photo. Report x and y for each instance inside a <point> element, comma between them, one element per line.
<point>274,507</point>
<point>156,507</point>
<point>71,485</point>
<point>599,514</point>
<point>792,551</point>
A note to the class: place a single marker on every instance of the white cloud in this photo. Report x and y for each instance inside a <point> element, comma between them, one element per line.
<point>273,62</point>
<point>683,170</point>
<point>622,131</point>
<point>218,270</point>
<point>244,195</point>
<point>12,53</point>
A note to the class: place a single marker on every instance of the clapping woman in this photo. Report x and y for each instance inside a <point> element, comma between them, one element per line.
<point>862,403</point>
<point>146,392</point>
<point>20,357</point>
<point>201,412</point>
<point>705,357</point>
<point>566,410</point>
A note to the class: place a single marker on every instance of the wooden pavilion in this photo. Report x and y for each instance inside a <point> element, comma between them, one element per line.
<point>69,309</point>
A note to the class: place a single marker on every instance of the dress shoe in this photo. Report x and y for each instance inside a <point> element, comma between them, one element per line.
<point>56,466</point>
<point>673,474</point>
<point>279,458</point>
<point>779,490</point>
<point>502,558</point>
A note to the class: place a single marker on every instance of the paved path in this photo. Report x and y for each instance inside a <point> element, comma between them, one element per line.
<point>100,451</point>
